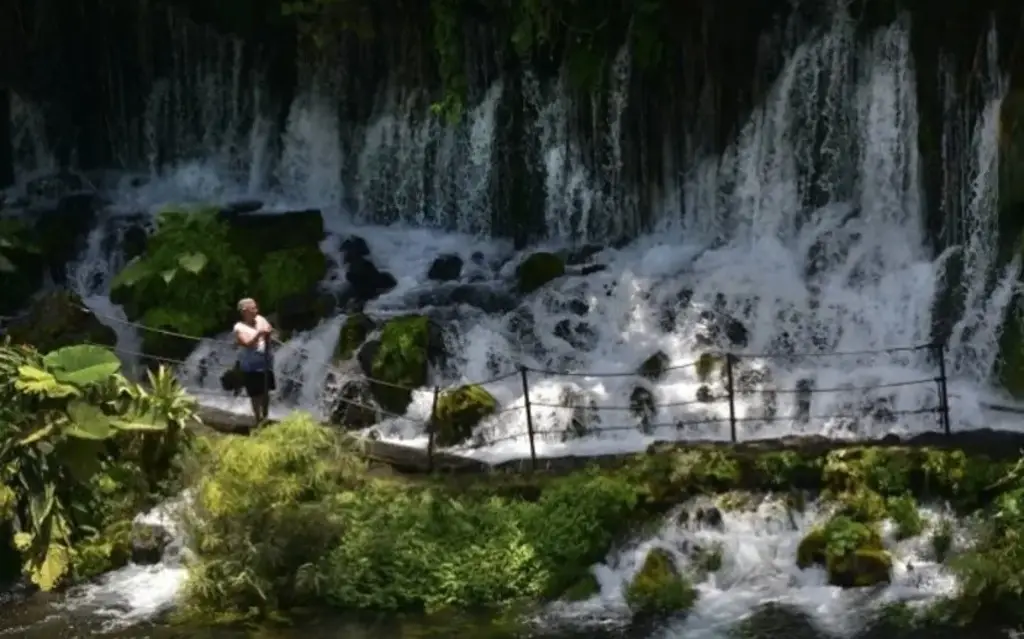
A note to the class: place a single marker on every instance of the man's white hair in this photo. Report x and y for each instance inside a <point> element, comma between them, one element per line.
<point>245,303</point>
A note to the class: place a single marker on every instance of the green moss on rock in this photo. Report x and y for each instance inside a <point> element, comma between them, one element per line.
<point>850,551</point>
<point>583,589</point>
<point>659,588</point>
<point>57,319</point>
<point>537,270</point>
<point>354,331</point>
<point>289,272</point>
<point>459,411</point>
<point>401,362</point>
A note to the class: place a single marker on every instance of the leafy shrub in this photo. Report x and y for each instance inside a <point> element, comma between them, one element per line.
<point>70,480</point>
<point>188,279</point>
<point>288,517</point>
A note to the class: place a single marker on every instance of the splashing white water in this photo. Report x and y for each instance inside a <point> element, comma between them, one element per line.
<point>136,593</point>
<point>807,231</point>
<point>758,549</point>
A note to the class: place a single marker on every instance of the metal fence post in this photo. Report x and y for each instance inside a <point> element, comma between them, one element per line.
<point>529,417</point>
<point>732,396</point>
<point>940,356</point>
<point>430,430</point>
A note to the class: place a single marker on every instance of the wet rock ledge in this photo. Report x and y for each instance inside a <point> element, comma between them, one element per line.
<point>997,445</point>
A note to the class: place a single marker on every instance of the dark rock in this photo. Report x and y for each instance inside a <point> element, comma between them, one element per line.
<point>45,191</point>
<point>445,268</point>
<point>704,394</point>
<point>710,517</point>
<point>593,268</point>
<point>354,406</point>
<point>653,368</point>
<point>367,353</point>
<point>133,240</point>
<point>59,318</point>
<point>478,259</point>
<point>643,407</point>
<point>804,390</point>
<point>303,311</point>
<point>366,281</point>
<point>354,248</point>
<point>579,335</point>
<point>253,235</point>
<point>522,324</point>
<point>672,308</point>
<point>585,415</point>
<point>485,297</point>
<point>583,254</point>
<point>578,306</point>
<point>148,543</point>
<point>241,207</point>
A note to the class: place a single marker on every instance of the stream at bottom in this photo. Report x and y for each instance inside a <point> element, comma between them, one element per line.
<point>752,590</point>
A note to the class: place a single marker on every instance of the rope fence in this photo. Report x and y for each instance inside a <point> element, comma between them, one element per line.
<point>643,412</point>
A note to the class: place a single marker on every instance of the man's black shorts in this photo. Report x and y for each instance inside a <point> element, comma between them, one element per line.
<point>259,383</point>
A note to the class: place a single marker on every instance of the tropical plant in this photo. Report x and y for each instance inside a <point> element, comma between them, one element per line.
<point>188,276</point>
<point>66,418</point>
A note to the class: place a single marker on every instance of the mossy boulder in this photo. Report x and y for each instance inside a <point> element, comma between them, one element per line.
<point>458,412</point>
<point>653,368</point>
<point>400,361</point>
<point>851,552</point>
<point>58,318</point>
<point>660,588</point>
<point>254,237</point>
<point>537,270</point>
<point>583,589</point>
<point>354,331</point>
<point>288,275</point>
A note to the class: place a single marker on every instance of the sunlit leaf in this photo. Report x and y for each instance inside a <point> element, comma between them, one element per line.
<point>82,365</point>
<point>36,381</point>
<point>169,274</point>
<point>147,421</point>
<point>133,272</point>
<point>193,262</point>
<point>6,265</point>
<point>36,436</point>
<point>48,573</point>
<point>23,541</point>
<point>87,422</point>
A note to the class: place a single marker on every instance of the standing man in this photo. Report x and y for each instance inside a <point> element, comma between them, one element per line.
<point>253,335</point>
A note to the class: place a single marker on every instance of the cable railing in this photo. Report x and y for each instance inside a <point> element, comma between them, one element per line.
<point>643,413</point>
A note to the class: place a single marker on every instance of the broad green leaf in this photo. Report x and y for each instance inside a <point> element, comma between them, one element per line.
<point>35,381</point>
<point>36,436</point>
<point>193,262</point>
<point>48,573</point>
<point>133,272</point>
<point>6,265</point>
<point>82,365</point>
<point>169,274</point>
<point>140,421</point>
<point>41,505</point>
<point>23,541</point>
<point>87,422</point>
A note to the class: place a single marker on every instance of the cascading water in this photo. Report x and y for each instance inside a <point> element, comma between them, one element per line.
<point>756,547</point>
<point>807,231</point>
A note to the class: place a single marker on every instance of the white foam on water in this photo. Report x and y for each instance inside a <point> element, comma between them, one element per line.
<point>136,593</point>
<point>758,549</point>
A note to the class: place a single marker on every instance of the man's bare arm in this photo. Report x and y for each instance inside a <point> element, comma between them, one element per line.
<point>244,338</point>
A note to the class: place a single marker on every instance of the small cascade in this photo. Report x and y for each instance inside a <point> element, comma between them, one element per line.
<point>743,560</point>
<point>137,593</point>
